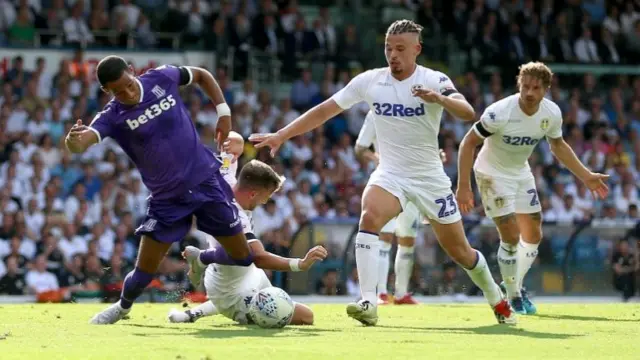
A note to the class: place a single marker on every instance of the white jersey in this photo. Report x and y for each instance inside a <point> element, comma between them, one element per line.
<point>228,278</point>
<point>367,134</point>
<point>406,127</point>
<point>511,136</point>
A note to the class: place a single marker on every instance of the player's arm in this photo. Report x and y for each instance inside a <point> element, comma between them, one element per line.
<point>205,80</point>
<point>362,152</point>
<point>81,137</point>
<point>311,119</point>
<point>344,99</point>
<point>445,94</point>
<point>563,152</point>
<point>234,145</point>
<point>456,105</point>
<point>268,261</point>
<point>365,140</point>
<point>466,154</point>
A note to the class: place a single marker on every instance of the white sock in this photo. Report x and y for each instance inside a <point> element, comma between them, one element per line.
<point>527,254</point>
<point>403,269</point>
<point>508,262</point>
<point>205,309</point>
<point>383,267</point>
<point>367,259</point>
<point>481,276</point>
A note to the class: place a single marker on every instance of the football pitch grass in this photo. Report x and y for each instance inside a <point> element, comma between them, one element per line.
<point>456,331</point>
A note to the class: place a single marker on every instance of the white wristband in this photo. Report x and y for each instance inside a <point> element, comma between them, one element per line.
<point>294,264</point>
<point>223,110</point>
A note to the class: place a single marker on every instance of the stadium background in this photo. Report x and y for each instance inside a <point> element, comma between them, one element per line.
<point>66,222</point>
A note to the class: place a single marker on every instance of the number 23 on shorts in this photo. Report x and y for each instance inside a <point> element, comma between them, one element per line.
<point>448,206</point>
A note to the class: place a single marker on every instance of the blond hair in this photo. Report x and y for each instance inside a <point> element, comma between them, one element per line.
<point>256,174</point>
<point>536,70</point>
<point>405,26</point>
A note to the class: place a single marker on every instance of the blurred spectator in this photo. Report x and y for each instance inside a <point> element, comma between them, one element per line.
<point>303,91</point>
<point>585,48</point>
<point>75,27</point>
<point>40,280</point>
<point>624,268</point>
<point>12,283</point>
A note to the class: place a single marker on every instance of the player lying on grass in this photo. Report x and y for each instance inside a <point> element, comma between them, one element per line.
<point>404,226</point>
<point>231,288</point>
<point>510,129</point>
<point>148,119</point>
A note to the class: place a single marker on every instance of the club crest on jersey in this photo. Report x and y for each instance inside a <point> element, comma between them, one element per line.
<point>544,124</point>
<point>416,87</point>
<point>499,201</point>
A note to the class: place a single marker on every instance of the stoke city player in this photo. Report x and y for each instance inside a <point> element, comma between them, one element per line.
<point>407,101</point>
<point>150,122</point>
<point>510,129</point>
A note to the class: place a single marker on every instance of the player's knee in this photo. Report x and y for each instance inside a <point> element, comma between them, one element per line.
<point>406,241</point>
<point>302,315</point>
<point>371,220</point>
<point>535,237</point>
<point>386,237</point>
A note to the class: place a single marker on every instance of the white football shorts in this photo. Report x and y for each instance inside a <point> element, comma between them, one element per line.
<point>431,196</point>
<point>502,196</point>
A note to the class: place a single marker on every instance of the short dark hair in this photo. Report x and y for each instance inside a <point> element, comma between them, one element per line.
<point>110,69</point>
<point>256,174</point>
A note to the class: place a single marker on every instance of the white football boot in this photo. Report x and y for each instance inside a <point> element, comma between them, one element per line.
<point>363,311</point>
<point>110,315</point>
<point>192,255</point>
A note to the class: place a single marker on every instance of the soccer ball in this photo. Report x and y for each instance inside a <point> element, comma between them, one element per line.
<point>271,308</point>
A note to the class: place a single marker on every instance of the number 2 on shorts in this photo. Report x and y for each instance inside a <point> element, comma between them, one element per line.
<point>453,207</point>
<point>534,197</point>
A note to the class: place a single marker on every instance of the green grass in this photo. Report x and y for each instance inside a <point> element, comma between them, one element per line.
<point>420,332</point>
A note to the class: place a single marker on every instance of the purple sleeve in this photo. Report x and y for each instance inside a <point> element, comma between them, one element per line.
<point>102,123</point>
<point>181,75</point>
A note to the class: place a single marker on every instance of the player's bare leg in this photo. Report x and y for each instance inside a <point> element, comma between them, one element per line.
<point>378,207</point>
<point>455,244</point>
<point>383,266</point>
<point>192,315</point>
<point>508,259</point>
<point>530,237</point>
<point>150,256</point>
<point>302,315</point>
<point>403,269</point>
<point>236,252</point>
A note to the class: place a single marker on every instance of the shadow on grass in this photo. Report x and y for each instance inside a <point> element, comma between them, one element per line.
<point>232,330</point>
<point>582,318</point>
<point>496,329</point>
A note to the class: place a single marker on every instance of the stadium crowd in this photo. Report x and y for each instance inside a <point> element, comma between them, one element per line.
<point>67,222</point>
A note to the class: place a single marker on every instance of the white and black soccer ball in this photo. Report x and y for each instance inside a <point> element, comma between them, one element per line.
<point>271,308</point>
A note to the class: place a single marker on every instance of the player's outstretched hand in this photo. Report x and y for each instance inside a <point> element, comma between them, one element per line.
<point>443,156</point>
<point>427,95</point>
<point>271,140</point>
<point>75,134</point>
<point>317,253</point>
<point>465,200</point>
<point>597,184</point>
<point>223,128</point>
